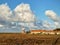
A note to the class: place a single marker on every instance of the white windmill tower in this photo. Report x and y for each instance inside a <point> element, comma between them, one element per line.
<point>23,29</point>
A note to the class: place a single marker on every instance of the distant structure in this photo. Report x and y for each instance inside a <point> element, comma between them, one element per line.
<point>44,32</point>
<point>23,30</point>
<point>57,29</point>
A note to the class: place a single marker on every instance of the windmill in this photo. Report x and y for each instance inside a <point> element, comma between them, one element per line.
<point>22,29</point>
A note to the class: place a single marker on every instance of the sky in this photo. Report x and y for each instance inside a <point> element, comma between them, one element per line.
<point>44,10</point>
<point>38,7</point>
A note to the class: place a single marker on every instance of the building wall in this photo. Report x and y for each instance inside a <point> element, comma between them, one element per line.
<point>35,32</point>
<point>58,32</point>
<point>45,32</point>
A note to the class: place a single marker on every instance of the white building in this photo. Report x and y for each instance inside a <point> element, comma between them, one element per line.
<point>44,32</point>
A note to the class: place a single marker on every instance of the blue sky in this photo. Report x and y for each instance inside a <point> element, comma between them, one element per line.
<point>37,6</point>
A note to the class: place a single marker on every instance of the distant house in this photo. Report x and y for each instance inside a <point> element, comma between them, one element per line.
<point>57,30</point>
<point>51,32</point>
<point>37,31</point>
<point>44,32</point>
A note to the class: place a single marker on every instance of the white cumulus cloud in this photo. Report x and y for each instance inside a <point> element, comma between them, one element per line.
<point>5,11</point>
<point>53,16</point>
<point>24,13</point>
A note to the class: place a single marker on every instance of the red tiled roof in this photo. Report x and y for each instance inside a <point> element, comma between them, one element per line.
<point>38,30</point>
<point>41,30</point>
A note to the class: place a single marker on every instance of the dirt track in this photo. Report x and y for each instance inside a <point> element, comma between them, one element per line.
<point>28,39</point>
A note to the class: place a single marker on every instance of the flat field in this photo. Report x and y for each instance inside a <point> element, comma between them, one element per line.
<point>28,39</point>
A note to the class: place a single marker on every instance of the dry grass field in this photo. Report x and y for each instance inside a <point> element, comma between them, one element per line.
<point>28,39</point>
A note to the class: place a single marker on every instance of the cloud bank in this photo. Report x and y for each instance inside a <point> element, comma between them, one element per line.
<point>53,16</point>
<point>24,13</point>
<point>10,18</point>
<point>5,11</point>
<point>23,17</point>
